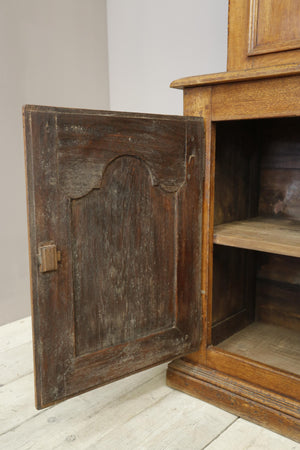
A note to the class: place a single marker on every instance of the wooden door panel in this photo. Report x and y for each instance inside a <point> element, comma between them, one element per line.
<point>118,199</point>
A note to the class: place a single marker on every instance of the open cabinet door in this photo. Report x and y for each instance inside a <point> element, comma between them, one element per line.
<point>114,208</point>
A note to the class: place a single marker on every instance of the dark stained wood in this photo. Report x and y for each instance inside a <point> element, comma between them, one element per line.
<point>278,290</point>
<point>116,193</point>
<point>279,192</point>
<point>278,304</point>
<point>122,233</point>
<point>280,142</point>
<point>277,268</point>
<point>236,172</point>
<point>236,197</point>
<point>233,292</point>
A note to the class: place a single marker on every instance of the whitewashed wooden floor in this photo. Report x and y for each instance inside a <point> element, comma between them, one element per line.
<point>139,412</point>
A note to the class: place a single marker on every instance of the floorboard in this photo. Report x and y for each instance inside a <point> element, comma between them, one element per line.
<point>138,412</point>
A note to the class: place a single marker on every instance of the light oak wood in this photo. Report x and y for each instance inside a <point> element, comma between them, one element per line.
<point>261,98</point>
<point>273,26</point>
<point>283,70</point>
<point>276,97</point>
<point>198,102</point>
<point>269,344</point>
<point>280,236</point>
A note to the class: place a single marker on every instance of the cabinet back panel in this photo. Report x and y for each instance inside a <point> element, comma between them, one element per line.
<point>236,171</point>
<point>280,168</point>
<point>278,290</point>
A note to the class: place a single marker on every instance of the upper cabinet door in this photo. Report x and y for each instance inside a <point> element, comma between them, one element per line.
<point>114,205</point>
<point>263,33</point>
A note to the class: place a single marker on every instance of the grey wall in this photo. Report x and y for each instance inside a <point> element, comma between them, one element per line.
<point>56,53</point>
<point>152,42</point>
<point>51,53</point>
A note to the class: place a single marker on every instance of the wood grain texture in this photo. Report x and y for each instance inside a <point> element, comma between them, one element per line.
<point>280,236</point>
<point>209,80</point>
<point>116,193</point>
<point>130,413</point>
<point>260,32</point>
<point>278,290</point>
<point>197,102</point>
<point>279,193</point>
<point>235,197</point>
<point>236,171</point>
<point>269,344</point>
<point>233,291</point>
<point>277,97</point>
<point>117,290</point>
<point>280,142</point>
<point>277,380</point>
<point>250,435</point>
<point>261,406</point>
<point>274,26</point>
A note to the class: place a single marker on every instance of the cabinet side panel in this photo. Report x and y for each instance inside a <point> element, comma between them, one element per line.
<point>236,198</point>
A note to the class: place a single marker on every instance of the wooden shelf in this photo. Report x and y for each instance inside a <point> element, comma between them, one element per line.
<point>280,236</point>
<point>266,343</point>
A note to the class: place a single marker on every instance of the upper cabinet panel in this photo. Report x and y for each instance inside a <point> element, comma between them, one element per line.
<point>263,33</point>
<point>115,203</point>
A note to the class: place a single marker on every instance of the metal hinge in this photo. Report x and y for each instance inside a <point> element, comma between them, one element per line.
<point>48,256</point>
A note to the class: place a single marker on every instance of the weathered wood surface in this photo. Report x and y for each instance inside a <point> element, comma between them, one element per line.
<point>137,412</point>
<point>280,236</point>
<point>243,435</point>
<point>121,197</point>
<point>235,198</point>
<point>269,344</point>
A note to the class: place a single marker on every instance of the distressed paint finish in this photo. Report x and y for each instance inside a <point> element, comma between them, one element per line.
<point>121,197</point>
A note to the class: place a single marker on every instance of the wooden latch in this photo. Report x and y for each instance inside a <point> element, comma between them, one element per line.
<point>49,256</point>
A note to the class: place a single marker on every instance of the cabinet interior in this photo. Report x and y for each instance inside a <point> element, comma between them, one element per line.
<point>256,254</point>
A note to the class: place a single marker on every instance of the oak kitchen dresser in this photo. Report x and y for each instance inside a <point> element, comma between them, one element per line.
<point>162,237</point>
